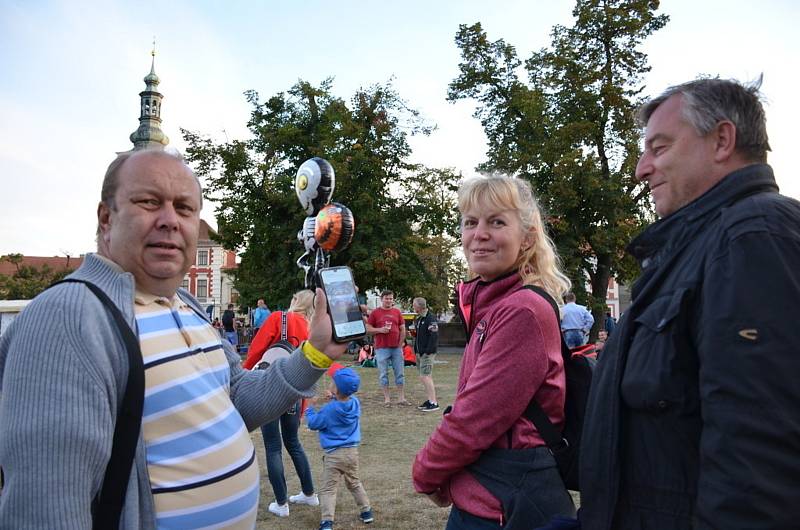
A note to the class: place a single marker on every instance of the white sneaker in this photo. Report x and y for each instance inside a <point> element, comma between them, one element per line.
<point>302,498</point>
<point>281,510</point>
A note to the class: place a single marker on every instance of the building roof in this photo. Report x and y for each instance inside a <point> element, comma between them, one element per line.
<point>206,232</point>
<point>55,263</point>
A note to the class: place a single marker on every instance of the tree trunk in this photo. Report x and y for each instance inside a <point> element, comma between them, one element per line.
<point>599,283</point>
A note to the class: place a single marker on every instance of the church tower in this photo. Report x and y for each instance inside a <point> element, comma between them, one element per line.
<point>149,134</point>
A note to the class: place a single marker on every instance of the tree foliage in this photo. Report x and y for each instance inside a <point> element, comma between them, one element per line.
<point>397,204</point>
<point>438,256</point>
<point>27,281</point>
<point>569,129</point>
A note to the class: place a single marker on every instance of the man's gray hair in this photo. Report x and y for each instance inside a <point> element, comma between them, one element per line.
<point>111,179</point>
<point>420,302</point>
<point>108,191</point>
<point>709,101</point>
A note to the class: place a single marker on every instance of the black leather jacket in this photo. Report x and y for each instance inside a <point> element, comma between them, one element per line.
<point>694,415</point>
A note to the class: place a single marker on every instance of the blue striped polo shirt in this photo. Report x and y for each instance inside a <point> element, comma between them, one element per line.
<point>200,458</point>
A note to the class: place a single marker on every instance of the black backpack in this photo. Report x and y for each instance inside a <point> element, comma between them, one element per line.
<point>565,445</point>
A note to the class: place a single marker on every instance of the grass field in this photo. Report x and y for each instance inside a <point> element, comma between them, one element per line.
<point>390,437</point>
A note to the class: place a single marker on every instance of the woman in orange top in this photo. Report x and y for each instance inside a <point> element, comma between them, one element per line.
<point>270,331</point>
<point>285,427</point>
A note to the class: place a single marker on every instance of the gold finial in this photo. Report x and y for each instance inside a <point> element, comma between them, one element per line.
<point>153,53</point>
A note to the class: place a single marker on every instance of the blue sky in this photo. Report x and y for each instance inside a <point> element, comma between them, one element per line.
<point>73,71</point>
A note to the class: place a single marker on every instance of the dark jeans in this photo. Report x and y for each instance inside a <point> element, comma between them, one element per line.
<point>461,520</point>
<point>574,338</point>
<point>286,427</point>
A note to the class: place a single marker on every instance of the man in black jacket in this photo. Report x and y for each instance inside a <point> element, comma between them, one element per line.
<point>694,415</point>
<point>425,344</point>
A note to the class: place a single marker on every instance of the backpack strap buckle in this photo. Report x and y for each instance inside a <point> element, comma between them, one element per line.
<point>558,448</point>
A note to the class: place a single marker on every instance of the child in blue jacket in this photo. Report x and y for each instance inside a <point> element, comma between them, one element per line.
<point>339,434</point>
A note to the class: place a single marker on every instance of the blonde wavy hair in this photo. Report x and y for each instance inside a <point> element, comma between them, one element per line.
<point>303,303</point>
<point>539,264</point>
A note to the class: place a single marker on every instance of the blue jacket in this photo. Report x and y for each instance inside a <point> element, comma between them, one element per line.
<point>260,314</point>
<point>337,423</point>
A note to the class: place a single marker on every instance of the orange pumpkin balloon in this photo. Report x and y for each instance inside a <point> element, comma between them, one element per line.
<point>334,227</point>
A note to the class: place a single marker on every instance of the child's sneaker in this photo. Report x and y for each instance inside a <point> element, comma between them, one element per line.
<point>302,498</point>
<point>424,405</point>
<point>281,510</point>
<point>366,517</point>
<point>326,525</point>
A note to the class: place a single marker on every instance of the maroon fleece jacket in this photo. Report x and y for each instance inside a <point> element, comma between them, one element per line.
<point>513,354</point>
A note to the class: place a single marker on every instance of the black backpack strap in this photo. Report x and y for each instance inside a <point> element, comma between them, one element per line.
<point>550,434</point>
<point>283,325</point>
<point>107,507</point>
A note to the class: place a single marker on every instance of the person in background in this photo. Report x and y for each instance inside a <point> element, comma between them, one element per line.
<point>387,326</point>
<point>260,314</point>
<point>409,358</point>
<point>425,344</point>
<point>602,338</point>
<point>340,435</point>
<point>286,427</point>
<point>230,325</point>
<point>576,321</point>
<point>609,324</point>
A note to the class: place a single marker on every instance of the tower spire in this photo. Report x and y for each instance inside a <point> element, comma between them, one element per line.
<point>149,134</point>
<point>153,60</point>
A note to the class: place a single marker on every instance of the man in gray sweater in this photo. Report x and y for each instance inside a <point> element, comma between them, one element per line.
<point>64,369</point>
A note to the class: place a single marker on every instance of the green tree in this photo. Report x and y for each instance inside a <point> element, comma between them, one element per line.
<point>569,129</point>
<point>27,281</point>
<point>445,269</point>
<point>366,141</point>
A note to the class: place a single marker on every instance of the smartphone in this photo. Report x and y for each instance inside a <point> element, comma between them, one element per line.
<point>343,308</point>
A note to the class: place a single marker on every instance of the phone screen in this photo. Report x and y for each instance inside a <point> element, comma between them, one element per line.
<point>342,303</point>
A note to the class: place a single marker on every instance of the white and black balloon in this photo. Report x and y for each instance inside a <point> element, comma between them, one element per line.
<point>314,184</point>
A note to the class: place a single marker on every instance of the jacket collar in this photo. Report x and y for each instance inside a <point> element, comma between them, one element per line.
<point>476,297</point>
<point>665,233</point>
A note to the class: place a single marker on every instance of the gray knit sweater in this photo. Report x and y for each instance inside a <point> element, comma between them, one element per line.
<point>63,369</point>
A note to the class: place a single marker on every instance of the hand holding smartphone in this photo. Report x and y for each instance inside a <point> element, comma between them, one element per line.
<point>343,308</point>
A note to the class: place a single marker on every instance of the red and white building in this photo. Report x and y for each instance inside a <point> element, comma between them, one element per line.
<point>207,279</point>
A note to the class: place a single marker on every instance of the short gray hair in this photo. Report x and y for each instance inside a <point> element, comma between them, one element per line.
<point>108,191</point>
<point>111,179</point>
<point>420,302</point>
<point>709,101</point>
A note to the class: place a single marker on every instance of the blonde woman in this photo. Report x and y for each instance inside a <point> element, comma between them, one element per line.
<point>297,318</point>
<point>513,355</point>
